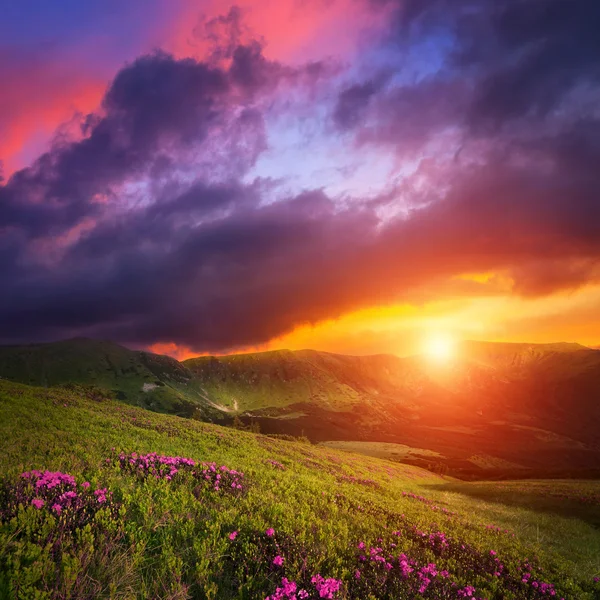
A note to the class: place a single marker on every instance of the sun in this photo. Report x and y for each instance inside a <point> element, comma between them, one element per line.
<point>439,347</point>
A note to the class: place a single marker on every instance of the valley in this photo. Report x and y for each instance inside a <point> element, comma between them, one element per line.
<point>497,411</point>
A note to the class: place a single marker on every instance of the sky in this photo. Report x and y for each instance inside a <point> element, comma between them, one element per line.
<point>206,177</point>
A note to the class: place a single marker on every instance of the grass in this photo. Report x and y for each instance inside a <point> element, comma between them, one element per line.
<point>171,539</point>
<point>379,449</point>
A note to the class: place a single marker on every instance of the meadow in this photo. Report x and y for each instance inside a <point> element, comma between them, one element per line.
<point>99,499</point>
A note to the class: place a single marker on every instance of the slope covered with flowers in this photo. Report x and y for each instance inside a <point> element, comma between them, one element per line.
<point>100,500</point>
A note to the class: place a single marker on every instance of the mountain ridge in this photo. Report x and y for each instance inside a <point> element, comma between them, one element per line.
<point>533,405</point>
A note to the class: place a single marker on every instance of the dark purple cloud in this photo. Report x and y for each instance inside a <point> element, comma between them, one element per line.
<point>544,51</point>
<point>215,268</point>
<point>524,58</point>
<point>353,101</point>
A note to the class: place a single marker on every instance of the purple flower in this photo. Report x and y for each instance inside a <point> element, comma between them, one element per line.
<point>278,561</point>
<point>326,587</point>
<point>466,592</point>
<point>38,503</point>
<point>270,532</point>
<point>233,535</point>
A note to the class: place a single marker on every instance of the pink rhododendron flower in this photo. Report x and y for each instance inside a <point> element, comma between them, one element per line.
<point>327,588</point>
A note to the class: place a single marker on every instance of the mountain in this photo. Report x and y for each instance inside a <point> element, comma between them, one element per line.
<point>553,383</point>
<point>497,408</point>
<point>152,381</point>
<point>282,377</point>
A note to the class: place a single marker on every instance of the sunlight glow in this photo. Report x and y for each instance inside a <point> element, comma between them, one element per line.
<point>439,347</point>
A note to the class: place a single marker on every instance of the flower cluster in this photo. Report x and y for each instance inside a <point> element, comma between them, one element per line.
<point>542,588</point>
<point>385,573</point>
<point>288,591</point>
<point>154,465</point>
<point>58,494</point>
<point>388,574</point>
<point>324,588</point>
<point>271,551</point>
<point>276,464</point>
<point>220,478</point>
<point>497,529</point>
<point>217,478</point>
<point>351,479</point>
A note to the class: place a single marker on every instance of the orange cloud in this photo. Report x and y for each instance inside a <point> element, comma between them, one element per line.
<point>401,329</point>
<point>172,349</point>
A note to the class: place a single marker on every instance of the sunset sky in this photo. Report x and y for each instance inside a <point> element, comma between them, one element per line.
<point>196,176</point>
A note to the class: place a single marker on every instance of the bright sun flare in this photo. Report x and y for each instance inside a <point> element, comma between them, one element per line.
<point>439,347</point>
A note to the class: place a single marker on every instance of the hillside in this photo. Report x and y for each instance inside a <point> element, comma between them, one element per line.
<point>153,381</point>
<point>561,378</point>
<point>498,410</point>
<point>111,520</point>
<point>282,377</point>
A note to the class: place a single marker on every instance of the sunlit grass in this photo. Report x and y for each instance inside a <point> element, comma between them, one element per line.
<point>320,502</point>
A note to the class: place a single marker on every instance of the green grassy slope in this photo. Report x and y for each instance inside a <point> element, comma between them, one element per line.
<point>495,410</point>
<point>157,382</point>
<point>171,539</point>
<point>283,377</point>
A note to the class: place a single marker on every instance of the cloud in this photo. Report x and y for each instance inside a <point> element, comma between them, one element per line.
<point>216,268</point>
<point>525,59</point>
<point>542,52</point>
<point>353,101</point>
<point>154,106</point>
<point>129,174</point>
<point>150,227</point>
<point>40,91</point>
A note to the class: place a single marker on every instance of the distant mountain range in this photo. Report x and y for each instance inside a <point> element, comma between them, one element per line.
<point>496,408</point>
